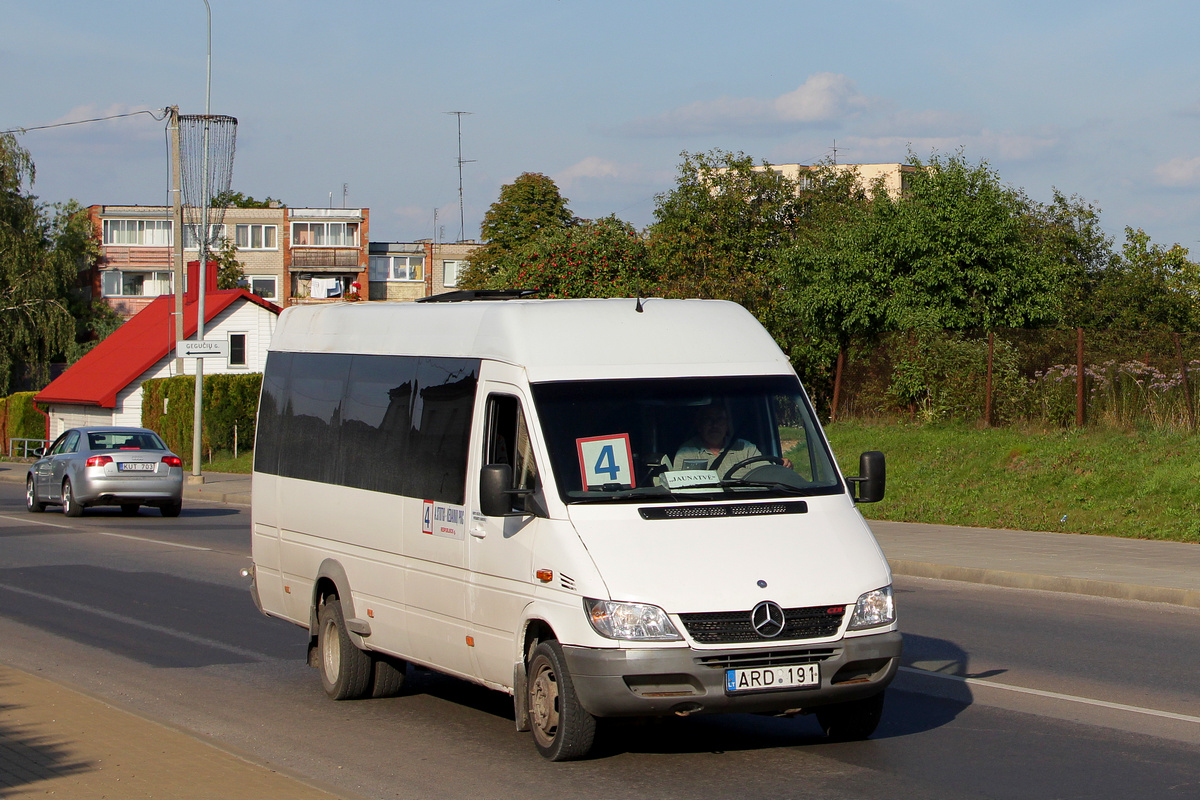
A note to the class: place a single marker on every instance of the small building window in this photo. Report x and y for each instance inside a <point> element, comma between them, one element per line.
<point>397,268</point>
<point>450,272</point>
<point>237,349</point>
<point>255,237</point>
<point>265,286</point>
<point>125,283</point>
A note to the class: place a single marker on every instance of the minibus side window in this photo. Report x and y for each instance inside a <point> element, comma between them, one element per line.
<point>508,443</point>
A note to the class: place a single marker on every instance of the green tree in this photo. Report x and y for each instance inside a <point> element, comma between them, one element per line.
<point>41,252</point>
<point>230,273</point>
<point>527,206</point>
<point>957,251</point>
<point>715,234</point>
<point>1068,230</point>
<point>596,258</point>
<point>1147,287</point>
<point>232,199</point>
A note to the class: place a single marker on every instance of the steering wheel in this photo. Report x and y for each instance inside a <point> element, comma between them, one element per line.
<point>752,460</point>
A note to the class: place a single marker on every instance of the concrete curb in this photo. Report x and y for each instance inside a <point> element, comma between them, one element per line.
<point>1049,583</point>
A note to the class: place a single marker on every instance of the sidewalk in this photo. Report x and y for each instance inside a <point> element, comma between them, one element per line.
<point>56,741</point>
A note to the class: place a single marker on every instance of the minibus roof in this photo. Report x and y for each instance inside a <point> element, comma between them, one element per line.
<point>551,339</point>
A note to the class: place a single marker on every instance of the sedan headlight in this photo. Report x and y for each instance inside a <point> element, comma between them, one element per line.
<point>633,621</point>
<point>874,609</point>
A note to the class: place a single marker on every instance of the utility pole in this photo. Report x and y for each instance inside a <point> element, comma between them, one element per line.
<point>198,397</point>
<point>177,227</point>
<point>462,227</point>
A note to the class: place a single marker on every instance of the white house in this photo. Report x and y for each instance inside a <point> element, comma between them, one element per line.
<point>105,386</point>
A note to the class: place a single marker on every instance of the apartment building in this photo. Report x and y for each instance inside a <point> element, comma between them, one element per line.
<point>289,255</point>
<point>410,270</point>
<point>895,177</point>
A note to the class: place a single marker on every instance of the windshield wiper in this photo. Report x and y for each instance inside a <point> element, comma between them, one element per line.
<point>782,487</point>
<point>625,494</point>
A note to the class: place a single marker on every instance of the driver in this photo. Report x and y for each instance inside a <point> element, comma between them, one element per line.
<point>712,448</point>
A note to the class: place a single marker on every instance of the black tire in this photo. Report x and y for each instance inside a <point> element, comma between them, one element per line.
<point>71,506</point>
<point>387,675</point>
<point>171,509</point>
<point>852,721</point>
<point>345,670</point>
<point>32,504</point>
<point>130,509</point>
<point>562,729</point>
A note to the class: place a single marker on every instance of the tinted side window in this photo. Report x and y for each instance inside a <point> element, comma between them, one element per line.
<point>377,421</point>
<point>396,424</point>
<point>271,402</point>
<point>441,429</point>
<point>309,445</point>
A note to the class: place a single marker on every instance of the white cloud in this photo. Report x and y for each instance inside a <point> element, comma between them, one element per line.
<point>825,99</point>
<point>593,169</point>
<point>590,167</point>
<point>1179,172</point>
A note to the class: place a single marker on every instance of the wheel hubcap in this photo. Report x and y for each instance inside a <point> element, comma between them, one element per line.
<point>330,655</point>
<point>543,704</point>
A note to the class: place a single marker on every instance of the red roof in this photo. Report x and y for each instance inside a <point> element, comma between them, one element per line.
<point>135,347</point>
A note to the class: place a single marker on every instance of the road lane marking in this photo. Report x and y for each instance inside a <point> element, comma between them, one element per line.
<point>150,626</point>
<point>104,533</point>
<point>1056,696</point>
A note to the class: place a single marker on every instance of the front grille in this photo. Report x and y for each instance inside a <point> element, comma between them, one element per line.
<point>725,510</point>
<point>734,627</point>
<point>768,658</point>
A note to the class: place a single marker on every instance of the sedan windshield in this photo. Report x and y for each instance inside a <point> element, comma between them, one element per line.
<point>683,438</point>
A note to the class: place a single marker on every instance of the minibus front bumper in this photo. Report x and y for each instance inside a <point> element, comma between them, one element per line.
<point>659,681</point>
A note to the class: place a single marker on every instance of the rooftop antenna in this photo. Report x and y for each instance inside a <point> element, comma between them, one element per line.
<point>834,149</point>
<point>345,191</point>
<point>462,226</point>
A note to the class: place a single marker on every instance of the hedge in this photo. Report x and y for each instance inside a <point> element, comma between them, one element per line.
<point>230,403</point>
<point>19,419</point>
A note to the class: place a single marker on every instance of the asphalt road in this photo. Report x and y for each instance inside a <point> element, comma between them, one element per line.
<point>1006,693</point>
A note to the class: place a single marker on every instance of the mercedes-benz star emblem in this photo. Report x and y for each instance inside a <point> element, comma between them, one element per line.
<point>767,619</point>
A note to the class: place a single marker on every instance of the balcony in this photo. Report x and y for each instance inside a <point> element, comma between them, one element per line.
<point>309,258</point>
<point>118,256</point>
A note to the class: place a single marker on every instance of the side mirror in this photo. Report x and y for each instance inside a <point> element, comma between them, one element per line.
<point>38,452</point>
<point>496,494</point>
<point>871,482</point>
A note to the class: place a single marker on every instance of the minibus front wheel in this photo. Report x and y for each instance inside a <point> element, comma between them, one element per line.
<point>853,720</point>
<point>562,729</point>
<point>345,670</point>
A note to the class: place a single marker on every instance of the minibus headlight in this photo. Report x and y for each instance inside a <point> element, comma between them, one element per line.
<point>632,621</point>
<point>874,609</point>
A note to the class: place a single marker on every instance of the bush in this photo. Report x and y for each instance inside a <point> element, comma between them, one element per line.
<point>20,419</point>
<point>230,403</point>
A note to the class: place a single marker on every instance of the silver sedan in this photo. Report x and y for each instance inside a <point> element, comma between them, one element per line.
<point>126,467</point>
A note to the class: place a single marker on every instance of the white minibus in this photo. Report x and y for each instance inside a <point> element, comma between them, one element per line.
<point>604,508</point>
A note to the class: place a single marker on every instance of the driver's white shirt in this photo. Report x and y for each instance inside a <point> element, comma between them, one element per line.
<point>692,455</point>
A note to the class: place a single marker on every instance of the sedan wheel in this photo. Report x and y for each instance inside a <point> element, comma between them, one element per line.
<point>71,506</point>
<point>32,504</point>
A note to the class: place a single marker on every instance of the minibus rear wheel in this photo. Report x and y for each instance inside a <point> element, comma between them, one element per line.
<point>562,729</point>
<point>345,670</point>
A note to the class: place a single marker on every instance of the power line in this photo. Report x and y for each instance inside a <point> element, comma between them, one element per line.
<point>94,119</point>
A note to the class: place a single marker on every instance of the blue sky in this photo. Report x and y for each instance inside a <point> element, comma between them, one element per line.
<point>1097,99</point>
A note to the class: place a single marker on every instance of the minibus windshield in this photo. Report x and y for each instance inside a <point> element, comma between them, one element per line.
<point>673,439</point>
